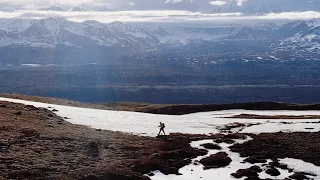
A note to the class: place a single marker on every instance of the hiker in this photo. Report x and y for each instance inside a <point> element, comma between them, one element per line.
<point>162,126</point>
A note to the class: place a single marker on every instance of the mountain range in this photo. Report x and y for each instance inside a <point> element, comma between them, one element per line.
<point>247,7</point>
<point>258,7</point>
<point>60,41</point>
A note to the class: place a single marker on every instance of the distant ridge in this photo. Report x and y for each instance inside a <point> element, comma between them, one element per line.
<point>169,109</point>
<point>188,109</point>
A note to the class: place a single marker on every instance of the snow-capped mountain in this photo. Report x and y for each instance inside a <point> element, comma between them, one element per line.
<point>52,32</point>
<point>58,40</point>
<point>256,31</point>
<point>303,37</point>
<point>57,31</point>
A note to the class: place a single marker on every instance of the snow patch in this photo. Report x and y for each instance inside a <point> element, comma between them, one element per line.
<point>301,166</point>
<point>31,65</point>
<point>196,171</point>
<point>197,123</point>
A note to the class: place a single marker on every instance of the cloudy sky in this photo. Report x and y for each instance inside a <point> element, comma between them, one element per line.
<point>120,4</point>
<point>162,10</point>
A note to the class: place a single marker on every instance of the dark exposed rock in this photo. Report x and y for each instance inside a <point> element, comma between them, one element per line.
<point>274,163</point>
<point>211,146</point>
<point>224,140</point>
<point>256,169</point>
<point>245,173</point>
<point>254,160</point>
<point>236,136</point>
<point>283,166</point>
<point>282,145</point>
<point>218,141</point>
<point>231,126</point>
<point>273,171</point>
<point>149,164</point>
<point>3,106</point>
<point>298,176</point>
<point>217,160</point>
<point>177,153</point>
<point>174,155</point>
<point>252,178</point>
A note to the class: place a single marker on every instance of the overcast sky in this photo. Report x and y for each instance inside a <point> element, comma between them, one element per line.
<point>163,10</point>
<point>122,4</point>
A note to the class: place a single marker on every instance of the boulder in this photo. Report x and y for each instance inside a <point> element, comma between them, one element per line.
<point>273,171</point>
<point>217,160</point>
<point>245,173</point>
<point>252,178</point>
<point>283,166</point>
<point>254,160</point>
<point>224,140</point>
<point>256,169</point>
<point>211,146</point>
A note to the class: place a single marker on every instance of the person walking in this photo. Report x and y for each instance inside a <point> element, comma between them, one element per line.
<point>162,126</point>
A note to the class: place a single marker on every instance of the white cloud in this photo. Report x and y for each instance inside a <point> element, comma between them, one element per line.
<point>218,3</point>
<point>49,2</point>
<point>293,15</point>
<point>174,1</point>
<point>240,2</point>
<point>158,16</point>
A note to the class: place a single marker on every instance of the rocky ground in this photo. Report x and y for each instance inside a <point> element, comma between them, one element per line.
<point>303,146</point>
<point>37,144</point>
